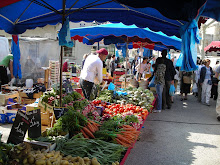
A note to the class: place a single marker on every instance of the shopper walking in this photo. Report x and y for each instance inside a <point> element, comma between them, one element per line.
<point>217,74</point>
<point>107,62</point>
<point>159,82</point>
<point>202,64</point>
<point>185,84</point>
<point>169,79</point>
<point>93,67</point>
<point>206,77</point>
<point>112,65</point>
<point>134,63</point>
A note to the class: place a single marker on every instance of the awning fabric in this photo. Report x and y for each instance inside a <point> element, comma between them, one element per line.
<point>17,17</point>
<point>179,10</point>
<point>120,33</point>
<point>213,46</point>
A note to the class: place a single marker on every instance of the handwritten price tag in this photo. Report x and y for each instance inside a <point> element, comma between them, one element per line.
<point>19,128</point>
<point>34,130</point>
<point>59,111</point>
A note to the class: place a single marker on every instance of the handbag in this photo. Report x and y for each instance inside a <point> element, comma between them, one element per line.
<point>209,82</point>
<point>187,79</point>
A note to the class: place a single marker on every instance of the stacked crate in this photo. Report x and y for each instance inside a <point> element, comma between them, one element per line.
<point>117,75</point>
<point>54,71</point>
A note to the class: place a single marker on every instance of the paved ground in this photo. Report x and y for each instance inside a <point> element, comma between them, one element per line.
<point>187,134</point>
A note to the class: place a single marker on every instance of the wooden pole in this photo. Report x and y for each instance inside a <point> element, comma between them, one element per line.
<point>61,56</point>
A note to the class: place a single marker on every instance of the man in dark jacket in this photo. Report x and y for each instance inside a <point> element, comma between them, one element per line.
<point>169,79</point>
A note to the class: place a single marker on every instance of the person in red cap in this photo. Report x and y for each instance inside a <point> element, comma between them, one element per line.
<point>92,68</point>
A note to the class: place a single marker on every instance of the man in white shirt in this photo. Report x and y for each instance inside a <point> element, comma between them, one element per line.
<point>92,68</point>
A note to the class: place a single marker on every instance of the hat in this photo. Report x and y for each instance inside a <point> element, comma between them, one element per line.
<point>102,51</point>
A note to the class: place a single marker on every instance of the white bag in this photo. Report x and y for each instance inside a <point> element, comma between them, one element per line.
<point>195,88</point>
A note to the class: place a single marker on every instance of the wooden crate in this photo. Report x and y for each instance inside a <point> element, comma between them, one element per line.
<point>4,97</point>
<point>35,95</point>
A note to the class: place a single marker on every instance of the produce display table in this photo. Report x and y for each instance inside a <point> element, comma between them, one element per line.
<point>129,149</point>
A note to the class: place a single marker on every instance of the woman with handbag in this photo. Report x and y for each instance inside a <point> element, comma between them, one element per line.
<point>206,78</point>
<point>185,84</point>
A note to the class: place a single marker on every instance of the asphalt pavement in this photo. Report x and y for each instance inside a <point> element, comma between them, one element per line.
<point>186,134</point>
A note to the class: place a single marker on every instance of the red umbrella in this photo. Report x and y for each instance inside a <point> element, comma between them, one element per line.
<point>213,46</point>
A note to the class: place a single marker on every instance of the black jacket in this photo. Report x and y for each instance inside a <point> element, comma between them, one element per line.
<point>203,73</point>
<point>170,70</point>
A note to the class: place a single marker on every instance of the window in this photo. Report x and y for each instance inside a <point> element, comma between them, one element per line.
<point>68,52</point>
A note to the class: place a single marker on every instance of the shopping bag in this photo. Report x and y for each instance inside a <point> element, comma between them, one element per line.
<point>151,84</point>
<point>172,90</point>
<point>111,87</point>
<point>195,88</point>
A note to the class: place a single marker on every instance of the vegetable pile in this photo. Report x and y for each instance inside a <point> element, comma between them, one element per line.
<point>105,152</point>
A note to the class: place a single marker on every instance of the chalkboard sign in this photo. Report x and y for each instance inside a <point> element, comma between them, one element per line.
<point>59,112</point>
<point>19,128</point>
<point>67,85</point>
<point>34,129</point>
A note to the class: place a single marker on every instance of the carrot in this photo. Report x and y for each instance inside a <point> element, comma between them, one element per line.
<point>90,134</point>
<point>122,143</point>
<point>94,126</point>
<point>84,134</point>
<point>94,123</point>
<point>90,127</point>
<point>120,137</point>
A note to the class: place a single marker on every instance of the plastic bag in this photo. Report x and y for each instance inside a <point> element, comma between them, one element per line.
<point>111,87</point>
<point>151,84</point>
<point>195,88</point>
<point>172,90</point>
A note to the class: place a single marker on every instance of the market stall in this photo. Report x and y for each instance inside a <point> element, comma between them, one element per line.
<point>102,131</point>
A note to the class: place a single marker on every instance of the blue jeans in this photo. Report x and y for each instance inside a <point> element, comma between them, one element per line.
<point>159,90</point>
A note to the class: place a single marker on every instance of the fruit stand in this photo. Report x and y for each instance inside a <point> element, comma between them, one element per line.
<point>102,131</point>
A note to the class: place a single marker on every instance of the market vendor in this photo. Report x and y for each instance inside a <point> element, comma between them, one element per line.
<point>92,68</point>
<point>65,66</point>
<point>6,62</point>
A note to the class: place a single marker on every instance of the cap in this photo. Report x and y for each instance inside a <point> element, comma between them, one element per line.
<point>102,51</point>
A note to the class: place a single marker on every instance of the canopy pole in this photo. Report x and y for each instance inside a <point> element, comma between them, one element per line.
<point>98,45</point>
<point>61,56</point>
<point>126,68</point>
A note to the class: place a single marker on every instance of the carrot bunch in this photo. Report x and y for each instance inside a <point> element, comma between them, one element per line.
<point>128,136</point>
<point>89,129</point>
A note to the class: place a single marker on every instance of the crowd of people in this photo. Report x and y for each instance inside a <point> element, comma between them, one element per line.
<point>203,82</point>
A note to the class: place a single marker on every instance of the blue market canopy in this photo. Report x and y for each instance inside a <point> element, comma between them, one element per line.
<point>120,33</point>
<point>16,16</point>
<point>185,10</point>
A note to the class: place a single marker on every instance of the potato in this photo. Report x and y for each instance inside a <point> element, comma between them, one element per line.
<point>38,152</point>
<point>40,162</point>
<point>95,161</point>
<point>69,157</point>
<point>40,156</point>
<point>86,159</point>
<point>48,155</point>
<point>88,162</point>
<point>64,162</point>
<point>74,159</point>
<point>113,163</point>
<point>117,163</point>
<point>81,161</point>
<point>31,160</point>
<point>56,154</point>
<point>52,159</point>
<point>49,162</point>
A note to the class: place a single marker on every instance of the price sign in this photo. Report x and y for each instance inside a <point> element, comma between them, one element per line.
<point>59,111</point>
<point>34,129</point>
<point>19,128</point>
